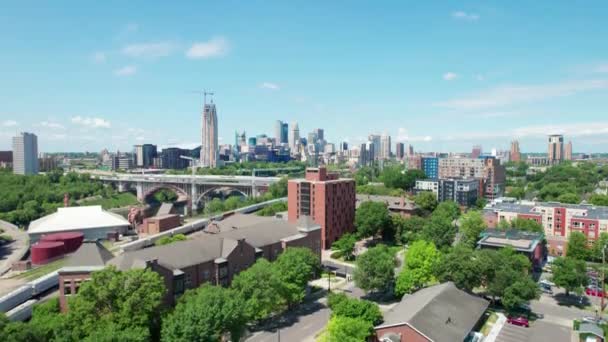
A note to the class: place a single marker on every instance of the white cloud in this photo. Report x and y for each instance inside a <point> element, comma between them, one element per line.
<point>602,68</point>
<point>99,57</point>
<point>91,122</point>
<point>403,135</point>
<point>515,94</point>
<point>149,50</point>
<point>269,85</point>
<point>462,15</point>
<point>9,123</point>
<point>52,125</point>
<point>128,70</point>
<point>450,76</point>
<point>216,47</point>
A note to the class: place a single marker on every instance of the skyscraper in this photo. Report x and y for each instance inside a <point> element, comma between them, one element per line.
<point>410,150</point>
<point>281,132</point>
<point>294,138</point>
<point>209,145</point>
<point>568,151</point>
<point>25,154</point>
<point>515,154</point>
<point>320,133</point>
<point>375,141</point>
<point>400,150</point>
<point>145,154</point>
<point>385,146</point>
<point>476,151</point>
<point>556,148</point>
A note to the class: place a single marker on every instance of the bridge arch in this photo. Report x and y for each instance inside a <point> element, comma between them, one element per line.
<point>205,193</point>
<point>182,195</point>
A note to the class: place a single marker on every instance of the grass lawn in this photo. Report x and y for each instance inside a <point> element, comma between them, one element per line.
<point>42,270</point>
<point>485,330</point>
<point>122,199</point>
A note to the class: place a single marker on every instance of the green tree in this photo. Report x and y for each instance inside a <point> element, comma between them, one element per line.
<point>411,176</point>
<point>345,246</point>
<point>394,177</point>
<point>439,230</point>
<point>205,314</point>
<point>447,209</point>
<point>569,198</point>
<point>165,195</point>
<point>214,206</point>
<point>165,240</point>
<point>130,299</point>
<point>47,320</point>
<point>577,246</point>
<point>481,203</point>
<point>520,292</point>
<point>372,218</point>
<point>296,266</point>
<point>279,189</point>
<point>517,192</point>
<point>233,202</point>
<point>341,305</point>
<point>461,266</point>
<point>375,269</point>
<point>528,225</point>
<point>471,226</point>
<point>273,209</point>
<point>426,202</point>
<point>260,288</point>
<point>407,230</point>
<point>420,263</point>
<point>570,273</point>
<point>597,199</point>
<point>598,245</point>
<point>347,329</point>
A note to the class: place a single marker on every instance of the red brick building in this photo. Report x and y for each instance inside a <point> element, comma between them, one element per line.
<point>159,224</point>
<point>329,200</point>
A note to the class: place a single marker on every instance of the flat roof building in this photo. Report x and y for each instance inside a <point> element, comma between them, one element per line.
<point>25,154</point>
<point>526,243</point>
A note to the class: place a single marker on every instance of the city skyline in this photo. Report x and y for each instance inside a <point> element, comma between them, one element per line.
<point>125,79</point>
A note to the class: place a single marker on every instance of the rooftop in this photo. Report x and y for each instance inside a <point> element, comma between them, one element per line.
<point>76,218</point>
<point>441,312</point>
<point>592,211</point>
<point>89,254</point>
<point>520,240</point>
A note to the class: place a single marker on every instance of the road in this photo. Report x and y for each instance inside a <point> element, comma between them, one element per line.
<point>15,250</point>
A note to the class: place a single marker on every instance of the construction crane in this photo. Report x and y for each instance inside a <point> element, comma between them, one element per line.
<point>204,92</point>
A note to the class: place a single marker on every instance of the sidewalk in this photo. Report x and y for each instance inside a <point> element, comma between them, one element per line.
<point>496,328</point>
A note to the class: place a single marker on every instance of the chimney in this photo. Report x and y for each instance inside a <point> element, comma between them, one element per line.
<point>66,200</point>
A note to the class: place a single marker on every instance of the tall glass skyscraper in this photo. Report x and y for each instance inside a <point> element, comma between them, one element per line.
<point>209,145</point>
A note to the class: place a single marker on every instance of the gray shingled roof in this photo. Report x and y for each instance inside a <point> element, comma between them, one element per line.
<point>178,254</point>
<point>591,328</point>
<point>441,312</point>
<point>89,254</point>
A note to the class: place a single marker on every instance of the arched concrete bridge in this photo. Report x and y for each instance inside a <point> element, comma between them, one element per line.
<point>191,188</point>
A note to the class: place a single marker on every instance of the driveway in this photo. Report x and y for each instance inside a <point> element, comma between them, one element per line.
<point>538,331</point>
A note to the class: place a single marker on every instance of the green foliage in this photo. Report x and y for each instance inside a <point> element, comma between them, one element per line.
<point>273,209</point>
<point>165,240</point>
<point>347,329</point>
<point>447,209</point>
<point>517,192</point>
<point>522,224</point>
<point>205,314</point>
<point>245,168</point>
<point>124,300</point>
<point>375,269</point>
<point>343,306</point>
<point>365,175</point>
<point>164,195</point>
<point>569,273</point>
<point>577,246</point>
<point>395,177</point>
<point>47,320</point>
<point>471,226</point>
<point>407,230</point>
<point>481,203</point>
<point>462,266</point>
<point>499,269</point>
<point>345,246</point>
<point>439,230</point>
<point>520,292</point>
<point>571,198</point>
<point>215,206</point>
<point>295,267</point>
<point>260,288</point>
<point>111,200</point>
<point>596,250</point>
<point>379,190</point>
<point>420,264</point>
<point>597,199</point>
<point>26,198</point>
<point>426,201</point>
<point>279,189</point>
<point>372,218</point>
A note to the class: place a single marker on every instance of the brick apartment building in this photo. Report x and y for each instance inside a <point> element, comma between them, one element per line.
<point>487,170</point>
<point>214,255</point>
<point>557,219</point>
<point>330,201</point>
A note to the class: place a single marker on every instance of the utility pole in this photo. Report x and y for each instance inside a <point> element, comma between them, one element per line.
<point>603,282</point>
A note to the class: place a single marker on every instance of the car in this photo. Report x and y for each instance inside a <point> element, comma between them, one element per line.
<point>518,320</point>
<point>547,282</point>
<point>595,292</point>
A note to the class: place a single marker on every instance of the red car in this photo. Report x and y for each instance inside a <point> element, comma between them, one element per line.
<point>595,292</point>
<point>521,321</point>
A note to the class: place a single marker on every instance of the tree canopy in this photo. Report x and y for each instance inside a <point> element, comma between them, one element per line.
<point>570,273</point>
<point>471,226</point>
<point>439,230</point>
<point>577,246</point>
<point>295,267</point>
<point>375,269</point>
<point>372,218</point>
<point>342,305</point>
<point>462,266</point>
<point>421,262</point>
<point>345,246</point>
<point>426,201</point>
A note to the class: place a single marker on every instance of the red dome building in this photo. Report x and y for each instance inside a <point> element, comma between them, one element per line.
<point>71,240</point>
<point>46,251</point>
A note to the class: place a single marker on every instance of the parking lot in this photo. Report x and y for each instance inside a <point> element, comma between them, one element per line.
<point>538,331</point>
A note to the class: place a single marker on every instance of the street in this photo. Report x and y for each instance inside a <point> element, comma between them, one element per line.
<point>538,331</point>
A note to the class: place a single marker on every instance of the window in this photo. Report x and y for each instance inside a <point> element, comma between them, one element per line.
<point>223,271</point>
<point>187,280</point>
<point>205,275</point>
<point>67,288</point>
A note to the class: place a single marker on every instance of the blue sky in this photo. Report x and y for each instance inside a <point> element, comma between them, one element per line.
<point>443,75</point>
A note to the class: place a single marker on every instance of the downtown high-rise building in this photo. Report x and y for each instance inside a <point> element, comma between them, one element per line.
<point>476,152</point>
<point>556,148</point>
<point>145,154</point>
<point>385,146</point>
<point>294,138</point>
<point>209,144</point>
<point>515,153</point>
<point>568,151</point>
<point>400,150</point>
<point>374,139</point>
<point>25,154</point>
<point>281,132</point>
<point>410,150</point>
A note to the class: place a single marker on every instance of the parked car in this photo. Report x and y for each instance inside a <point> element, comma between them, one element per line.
<point>518,320</point>
<point>595,292</point>
<point>547,282</point>
<point>593,319</point>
